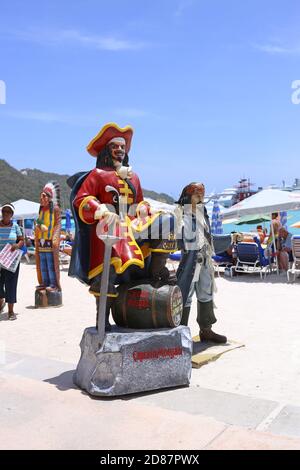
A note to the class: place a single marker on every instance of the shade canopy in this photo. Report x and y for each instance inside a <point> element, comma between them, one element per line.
<point>252,219</point>
<point>25,209</point>
<point>264,202</point>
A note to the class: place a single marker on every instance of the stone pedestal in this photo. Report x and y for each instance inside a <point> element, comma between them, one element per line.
<point>44,299</point>
<point>132,361</point>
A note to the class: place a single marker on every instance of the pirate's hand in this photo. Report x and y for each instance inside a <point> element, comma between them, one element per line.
<point>44,228</point>
<point>111,218</point>
<point>103,213</point>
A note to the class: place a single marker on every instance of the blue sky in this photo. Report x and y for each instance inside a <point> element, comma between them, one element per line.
<point>206,84</point>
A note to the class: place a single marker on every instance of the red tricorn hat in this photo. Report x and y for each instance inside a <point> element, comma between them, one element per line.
<point>108,132</point>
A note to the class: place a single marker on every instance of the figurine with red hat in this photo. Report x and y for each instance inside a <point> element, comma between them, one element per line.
<point>111,193</point>
<point>47,240</point>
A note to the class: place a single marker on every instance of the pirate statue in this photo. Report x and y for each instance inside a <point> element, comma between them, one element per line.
<point>195,272</point>
<point>111,194</point>
<point>47,241</point>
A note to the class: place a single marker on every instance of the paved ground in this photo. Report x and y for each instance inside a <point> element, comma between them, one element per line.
<point>42,409</point>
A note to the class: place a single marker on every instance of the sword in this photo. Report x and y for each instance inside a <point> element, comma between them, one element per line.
<point>109,240</point>
<point>122,207</point>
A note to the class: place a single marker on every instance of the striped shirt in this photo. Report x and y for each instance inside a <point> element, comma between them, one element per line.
<point>9,234</point>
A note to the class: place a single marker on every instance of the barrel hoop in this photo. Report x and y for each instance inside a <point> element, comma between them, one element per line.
<point>124,312</point>
<point>169,316</point>
<point>153,308</point>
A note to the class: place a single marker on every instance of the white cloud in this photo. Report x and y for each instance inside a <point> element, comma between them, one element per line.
<point>275,49</point>
<point>48,117</point>
<point>75,37</point>
<point>73,119</point>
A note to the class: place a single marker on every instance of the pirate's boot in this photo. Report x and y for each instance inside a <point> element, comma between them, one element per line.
<point>185,316</point>
<point>158,270</point>
<point>205,319</point>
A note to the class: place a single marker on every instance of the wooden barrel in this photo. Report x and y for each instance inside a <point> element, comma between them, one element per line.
<point>143,306</point>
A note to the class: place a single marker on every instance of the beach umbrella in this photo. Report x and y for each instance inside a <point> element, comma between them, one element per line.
<point>68,220</point>
<point>216,220</point>
<point>283,219</point>
<point>252,219</point>
<point>264,202</point>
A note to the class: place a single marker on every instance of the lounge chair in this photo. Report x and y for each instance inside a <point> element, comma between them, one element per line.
<point>250,260</point>
<point>65,251</point>
<point>295,269</point>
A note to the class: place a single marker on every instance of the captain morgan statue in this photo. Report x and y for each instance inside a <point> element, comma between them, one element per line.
<point>111,193</point>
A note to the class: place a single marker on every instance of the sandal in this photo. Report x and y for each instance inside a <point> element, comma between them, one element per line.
<point>12,316</point>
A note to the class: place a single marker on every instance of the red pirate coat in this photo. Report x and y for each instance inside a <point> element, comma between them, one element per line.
<point>89,198</point>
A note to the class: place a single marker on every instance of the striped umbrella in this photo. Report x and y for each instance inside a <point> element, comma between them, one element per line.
<point>216,219</point>
<point>68,220</point>
<point>283,219</point>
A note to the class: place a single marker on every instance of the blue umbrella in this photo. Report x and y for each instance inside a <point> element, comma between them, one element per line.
<point>216,219</point>
<point>283,219</point>
<point>68,220</point>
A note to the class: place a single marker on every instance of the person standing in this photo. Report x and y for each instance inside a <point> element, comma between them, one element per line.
<point>284,249</point>
<point>11,233</point>
<point>195,272</point>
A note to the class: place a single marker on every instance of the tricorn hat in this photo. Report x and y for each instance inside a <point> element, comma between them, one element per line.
<point>108,132</point>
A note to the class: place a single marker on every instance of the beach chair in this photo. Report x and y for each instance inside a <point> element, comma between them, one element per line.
<point>65,251</point>
<point>249,260</point>
<point>295,269</point>
<point>28,253</point>
<point>222,263</point>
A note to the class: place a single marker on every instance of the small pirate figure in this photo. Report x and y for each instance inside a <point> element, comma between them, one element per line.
<point>47,241</point>
<point>195,272</point>
<point>111,194</point>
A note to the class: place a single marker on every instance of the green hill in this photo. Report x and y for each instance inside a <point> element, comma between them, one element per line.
<point>27,184</point>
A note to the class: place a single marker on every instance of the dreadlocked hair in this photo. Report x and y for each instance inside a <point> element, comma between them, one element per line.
<point>104,159</point>
<point>185,198</point>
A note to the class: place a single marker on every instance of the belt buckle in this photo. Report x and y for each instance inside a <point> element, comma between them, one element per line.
<point>200,258</point>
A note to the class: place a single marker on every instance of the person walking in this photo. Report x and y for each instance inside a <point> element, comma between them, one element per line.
<point>11,233</point>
